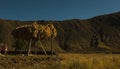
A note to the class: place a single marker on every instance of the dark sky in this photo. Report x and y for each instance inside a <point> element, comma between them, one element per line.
<point>56,9</point>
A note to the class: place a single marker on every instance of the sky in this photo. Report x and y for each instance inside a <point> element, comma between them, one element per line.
<point>56,9</point>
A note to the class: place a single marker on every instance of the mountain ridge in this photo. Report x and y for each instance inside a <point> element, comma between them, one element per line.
<point>101,33</point>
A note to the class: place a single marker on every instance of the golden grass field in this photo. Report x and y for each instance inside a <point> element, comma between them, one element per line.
<point>64,61</point>
<point>90,61</point>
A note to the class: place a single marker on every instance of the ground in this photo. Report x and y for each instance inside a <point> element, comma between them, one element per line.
<point>63,61</point>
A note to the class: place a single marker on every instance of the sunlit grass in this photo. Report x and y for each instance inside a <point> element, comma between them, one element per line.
<point>67,61</point>
<point>90,61</point>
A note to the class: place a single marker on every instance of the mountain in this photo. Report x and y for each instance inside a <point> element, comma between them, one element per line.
<point>101,33</point>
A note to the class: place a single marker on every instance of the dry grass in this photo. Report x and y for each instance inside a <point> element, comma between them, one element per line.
<point>65,61</point>
<point>90,61</point>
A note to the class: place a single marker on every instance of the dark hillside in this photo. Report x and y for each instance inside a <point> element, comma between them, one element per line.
<point>107,28</point>
<point>101,33</point>
<point>74,35</point>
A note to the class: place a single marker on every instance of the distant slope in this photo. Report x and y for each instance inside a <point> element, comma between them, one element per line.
<point>101,33</point>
